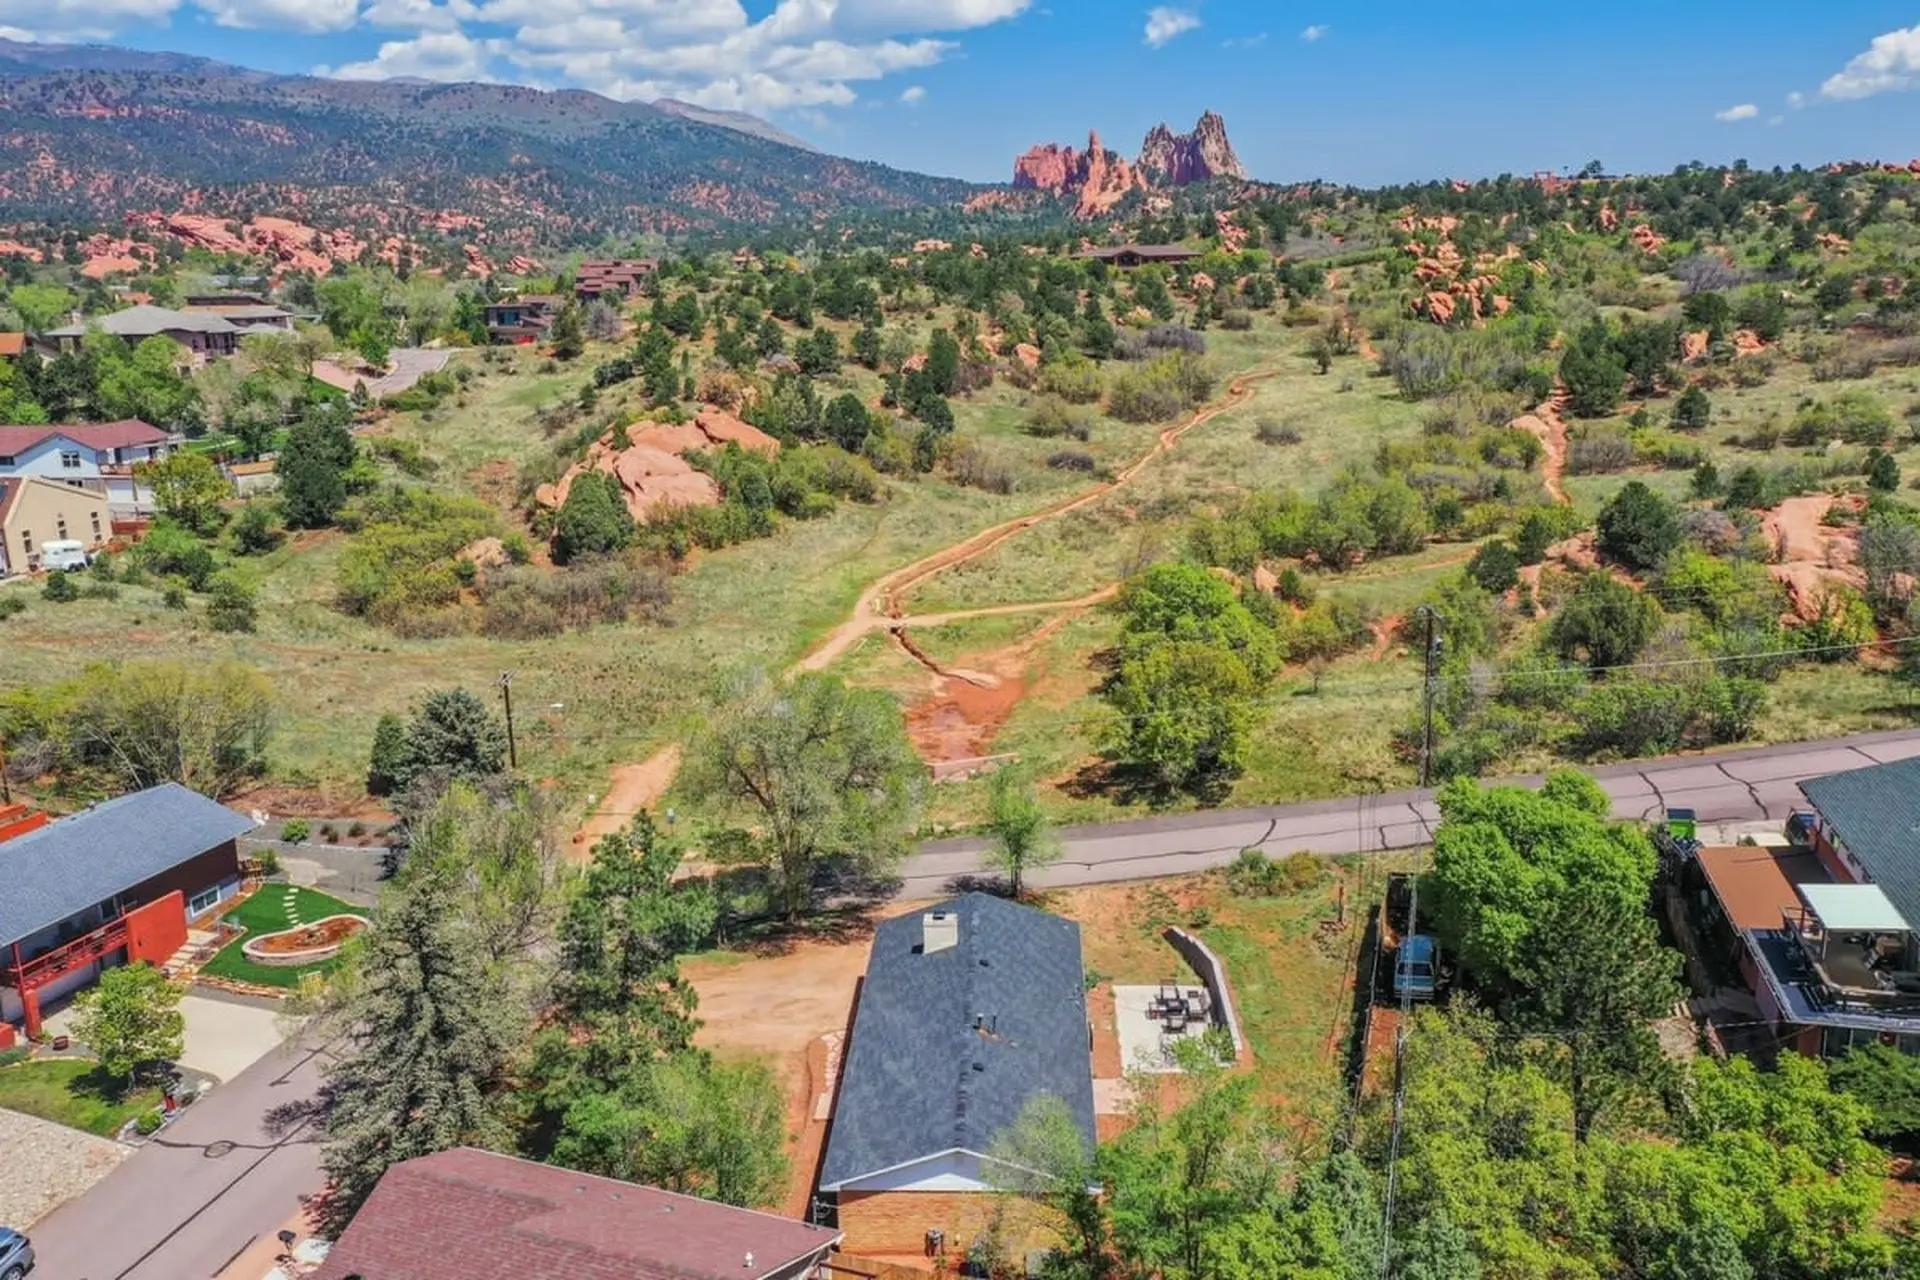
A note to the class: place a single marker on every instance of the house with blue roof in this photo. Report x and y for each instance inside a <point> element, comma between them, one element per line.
<point>971,1012</point>
<point>114,884</point>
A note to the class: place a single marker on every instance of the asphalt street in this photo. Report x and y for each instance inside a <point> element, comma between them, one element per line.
<point>1735,786</point>
<point>233,1167</point>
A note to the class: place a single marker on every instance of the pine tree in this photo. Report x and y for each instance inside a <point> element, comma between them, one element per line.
<point>569,333</point>
<point>427,1048</point>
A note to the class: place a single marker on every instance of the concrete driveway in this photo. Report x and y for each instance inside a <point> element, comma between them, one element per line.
<point>226,1034</point>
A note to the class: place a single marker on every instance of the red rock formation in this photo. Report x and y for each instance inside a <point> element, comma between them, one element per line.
<point>1174,160</point>
<point>1099,178</point>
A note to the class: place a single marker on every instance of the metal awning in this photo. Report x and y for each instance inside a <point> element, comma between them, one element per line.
<point>1853,908</point>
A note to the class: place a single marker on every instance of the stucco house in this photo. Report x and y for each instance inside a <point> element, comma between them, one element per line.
<point>98,456</point>
<point>202,333</point>
<point>35,511</point>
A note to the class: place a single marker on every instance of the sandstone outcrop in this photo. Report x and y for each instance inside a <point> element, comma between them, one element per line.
<point>1098,179</point>
<point>646,460</point>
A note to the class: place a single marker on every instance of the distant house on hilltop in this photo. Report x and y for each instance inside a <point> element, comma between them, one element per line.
<point>614,280</point>
<point>521,321</point>
<point>98,457</point>
<point>970,1011</point>
<point>248,312</point>
<point>202,333</point>
<point>1129,256</point>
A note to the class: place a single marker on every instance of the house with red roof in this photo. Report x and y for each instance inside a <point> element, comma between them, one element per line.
<point>474,1215</point>
<point>12,345</point>
<point>97,456</point>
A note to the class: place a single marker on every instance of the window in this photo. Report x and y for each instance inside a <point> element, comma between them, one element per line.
<point>203,902</point>
<point>70,459</point>
<point>61,526</point>
<point>6,459</point>
<point>26,541</point>
<point>96,524</point>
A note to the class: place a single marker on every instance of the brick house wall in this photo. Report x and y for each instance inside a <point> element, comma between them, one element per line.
<point>894,1223</point>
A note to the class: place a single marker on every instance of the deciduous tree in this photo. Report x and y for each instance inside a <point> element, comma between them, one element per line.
<point>131,1019</point>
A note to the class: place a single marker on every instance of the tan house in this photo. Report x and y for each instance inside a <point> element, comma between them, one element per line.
<point>35,511</point>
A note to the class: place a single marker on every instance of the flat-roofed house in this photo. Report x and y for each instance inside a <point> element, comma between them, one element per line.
<point>202,334</point>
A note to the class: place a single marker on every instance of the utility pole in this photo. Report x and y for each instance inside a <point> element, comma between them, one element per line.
<point>506,697</point>
<point>1430,616</point>
<point>6,787</point>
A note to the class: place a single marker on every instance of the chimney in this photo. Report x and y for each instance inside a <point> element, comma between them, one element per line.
<point>939,930</point>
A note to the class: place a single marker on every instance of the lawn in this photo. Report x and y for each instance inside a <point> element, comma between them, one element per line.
<point>273,908</point>
<point>73,1092</point>
<point>1288,966</point>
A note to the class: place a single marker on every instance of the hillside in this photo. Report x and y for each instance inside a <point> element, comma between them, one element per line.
<point>97,133</point>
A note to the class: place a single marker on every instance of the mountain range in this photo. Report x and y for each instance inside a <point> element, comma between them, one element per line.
<point>95,133</point>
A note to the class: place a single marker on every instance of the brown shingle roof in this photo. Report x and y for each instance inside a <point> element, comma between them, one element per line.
<point>94,435</point>
<point>473,1215</point>
<point>1755,885</point>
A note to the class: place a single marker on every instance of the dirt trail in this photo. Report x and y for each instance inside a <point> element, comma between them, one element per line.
<point>632,788</point>
<point>1549,423</point>
<point>880,606</point>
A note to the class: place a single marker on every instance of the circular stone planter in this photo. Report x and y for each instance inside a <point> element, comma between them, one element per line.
<point>303,944</point>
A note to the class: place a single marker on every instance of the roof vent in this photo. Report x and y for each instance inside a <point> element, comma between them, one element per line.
<point>939,930</point>
<point>748,1264</point>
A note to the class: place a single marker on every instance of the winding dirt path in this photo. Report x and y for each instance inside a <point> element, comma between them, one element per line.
<point>1549,423</point>
<point>632,787</point>
<point>881,605</point>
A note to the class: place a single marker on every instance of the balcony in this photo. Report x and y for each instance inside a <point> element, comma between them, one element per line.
<point>1845,958</point>
<point>85,950</point>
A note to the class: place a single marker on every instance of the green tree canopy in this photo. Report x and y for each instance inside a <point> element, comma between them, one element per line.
<point>131,1019</point>
<point>594,520</point>
<point>1638,527</point>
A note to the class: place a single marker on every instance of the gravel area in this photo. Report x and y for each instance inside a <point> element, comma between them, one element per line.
<point>44,1165</point>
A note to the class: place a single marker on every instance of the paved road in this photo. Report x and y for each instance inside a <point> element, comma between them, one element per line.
<point>1734,786</point>
<point>179,1208</point>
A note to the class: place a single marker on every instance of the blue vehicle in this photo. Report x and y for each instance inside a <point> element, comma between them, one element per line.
<point>1416,968</point>
<point>16,1254</point>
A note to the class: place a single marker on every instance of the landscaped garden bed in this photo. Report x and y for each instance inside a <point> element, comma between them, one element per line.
<point>291,919</point>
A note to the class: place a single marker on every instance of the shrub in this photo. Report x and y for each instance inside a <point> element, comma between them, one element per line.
<point>1496,567</point>
<point>1074,379</point>
<point>1600,452</point>
<point>230,604</point>
<point>525,604</point>
<point>59,588</point>
<point>1270,431</point>
<point>1051,417</point>
<point>1856,417</point>
<point>294,830</point>
<point>174,594</point>
<point>256,530</point>
<point>1638,527</point>
<point>978,468</point>
<point>12,605</point>
<point>1173,337</point>
<point>1237,320</point>
<point>148,1122</point>
<point>1071,460</point>
<point>1160,389</point>
<point>329,834</point>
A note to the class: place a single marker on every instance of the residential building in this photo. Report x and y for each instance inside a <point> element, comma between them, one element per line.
<point>202,334</point>
<point>113,884</point>
<point>521,321</point>
<point>99,456</point>
<point>970,1011</point>
<point>615,280</point>
<point>475,1215</point>
<point>1129,256</point>
<point>35,511</point>
<point>12,345</point>
<point>1826,932</point>
<point>250,313</point>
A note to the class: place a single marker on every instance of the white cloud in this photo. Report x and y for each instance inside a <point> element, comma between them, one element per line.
<point>1796,100</point>
<point>310,16</point>
<point>1745,111</point>
<point>1164,24</point>
<point>39,20</point>
<point>418,15</point>
<point>1244,42</point>
<point>914,94</point>
<point>1315,33</point>
<point>1890,63</point>
<point>433,55</point>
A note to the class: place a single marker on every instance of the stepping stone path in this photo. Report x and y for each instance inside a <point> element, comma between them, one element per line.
<point>291,901</point>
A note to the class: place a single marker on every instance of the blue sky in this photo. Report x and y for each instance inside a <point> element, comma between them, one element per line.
<point>1339,89</point>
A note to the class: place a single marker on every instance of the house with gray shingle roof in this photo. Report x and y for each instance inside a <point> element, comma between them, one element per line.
<point>112,884</point>
<point>202,333</point>
<point>970,1012</point>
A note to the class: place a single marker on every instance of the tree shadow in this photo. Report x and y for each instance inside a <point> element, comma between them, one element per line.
<point>999,886</point>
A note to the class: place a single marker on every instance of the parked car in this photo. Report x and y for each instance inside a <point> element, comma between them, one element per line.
<point>1416,969</point>
<point>16,1254</point>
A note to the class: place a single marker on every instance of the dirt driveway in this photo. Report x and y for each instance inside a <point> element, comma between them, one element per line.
<point>790,1005</point>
